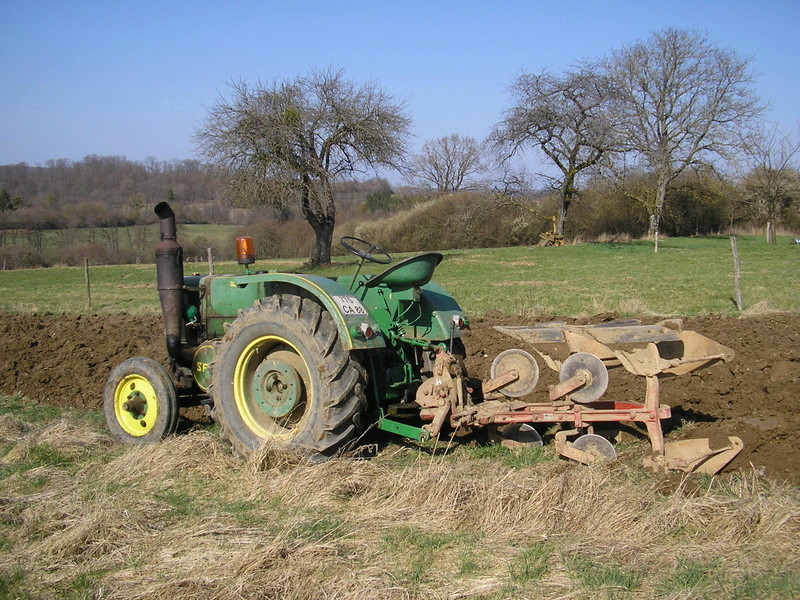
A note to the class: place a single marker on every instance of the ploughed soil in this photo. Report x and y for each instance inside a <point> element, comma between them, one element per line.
<point>65,359</point>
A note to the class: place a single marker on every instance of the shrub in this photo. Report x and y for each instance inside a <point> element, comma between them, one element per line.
<point>21,257</point>
<point>463,220</point>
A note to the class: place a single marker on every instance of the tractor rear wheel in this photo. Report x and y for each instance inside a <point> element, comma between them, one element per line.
<point>283,375</point>
<point>140,402</point>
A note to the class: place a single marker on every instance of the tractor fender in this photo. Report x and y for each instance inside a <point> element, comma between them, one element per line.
<point>351,317</point>
<point>443,309</point>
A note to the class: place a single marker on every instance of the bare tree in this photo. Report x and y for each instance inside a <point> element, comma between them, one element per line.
<point>296,137</point>
<point>566,118</point>
<point>773,182</point>
<point>683,101</point>
<point>447,163</point>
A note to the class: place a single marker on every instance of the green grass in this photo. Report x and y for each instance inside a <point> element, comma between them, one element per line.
<point>10,584</point>
<point>468,562</point>
<point>515,458</point>
<point>688,276</point>
<point>689,577</point>
<point>606,578</point>
<point>531,564</point>
<point>24,409</point>
<point>708,578</point>
<point>422,547</point>
<point>773,583</point>
<point>177,504</point>
<point>82,586</point>
<point>318,529</point>
<point>41,455</point>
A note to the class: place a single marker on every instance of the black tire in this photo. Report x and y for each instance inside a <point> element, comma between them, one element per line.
<point>140,402</point>
<point>283,375</point>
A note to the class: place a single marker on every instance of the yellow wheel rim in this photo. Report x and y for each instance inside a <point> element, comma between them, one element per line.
<point>136,405</point>
<point>250,402</point>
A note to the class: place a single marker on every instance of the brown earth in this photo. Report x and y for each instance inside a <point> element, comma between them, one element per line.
<point>65,359</point>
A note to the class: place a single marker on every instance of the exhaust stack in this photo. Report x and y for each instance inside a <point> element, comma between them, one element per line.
<point>169,274</point>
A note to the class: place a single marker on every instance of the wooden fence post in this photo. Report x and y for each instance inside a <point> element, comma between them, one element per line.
<point>88,283</point>
<point>736,273</point>
<point>210,262</point>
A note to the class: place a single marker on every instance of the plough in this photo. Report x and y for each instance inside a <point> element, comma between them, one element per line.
<point>577,401</point>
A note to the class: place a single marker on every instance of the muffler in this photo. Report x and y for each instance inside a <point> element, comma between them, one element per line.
<point>169,275</point>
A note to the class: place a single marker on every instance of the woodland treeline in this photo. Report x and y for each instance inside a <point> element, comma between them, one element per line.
<point>665,136</point>
<point>101,208</point>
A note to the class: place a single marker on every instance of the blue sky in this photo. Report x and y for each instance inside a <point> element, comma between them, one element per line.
<point>136,78</point>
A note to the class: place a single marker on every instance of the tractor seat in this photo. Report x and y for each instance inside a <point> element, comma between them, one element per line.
<point>410,272</point>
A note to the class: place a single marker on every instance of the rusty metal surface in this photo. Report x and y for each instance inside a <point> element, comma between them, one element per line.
<point>169,276</point>
<point>590,371</point>
<point>519,362</point>
<point>444,398</point>
<point>694,456</point>
<point>492,385</point>
<point>617,332</point>
<point>663,348</point>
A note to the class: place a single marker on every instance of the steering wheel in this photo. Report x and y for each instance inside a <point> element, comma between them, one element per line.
<point>382,259</point>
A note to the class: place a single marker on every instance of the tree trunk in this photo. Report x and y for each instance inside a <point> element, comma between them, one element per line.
<point>655,222</point>
<point>563,206</point>
<point>323,239</point>
<point>321,215</point>
<point>658,208</point>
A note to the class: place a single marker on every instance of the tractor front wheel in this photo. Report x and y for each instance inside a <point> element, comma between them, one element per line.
<point>283,375</point>
<point>140,402</point>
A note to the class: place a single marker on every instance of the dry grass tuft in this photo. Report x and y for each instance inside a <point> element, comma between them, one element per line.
<point>61,440</point>
<point>72,437</point>
<point>758,309</point>
<point>273,457</point>
<point>199,453</point>
<point>12,429</point>
<point>186,520</point>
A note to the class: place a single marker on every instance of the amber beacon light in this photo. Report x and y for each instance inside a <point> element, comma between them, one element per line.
<point>245,252</point>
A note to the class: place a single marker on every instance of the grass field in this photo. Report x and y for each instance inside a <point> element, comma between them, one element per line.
<point>688,276</point>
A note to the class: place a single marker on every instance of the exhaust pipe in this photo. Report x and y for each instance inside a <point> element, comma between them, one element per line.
<point>169,274</point>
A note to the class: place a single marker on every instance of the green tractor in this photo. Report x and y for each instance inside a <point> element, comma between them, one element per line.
<point>303,360</point>
<point>311,362</point>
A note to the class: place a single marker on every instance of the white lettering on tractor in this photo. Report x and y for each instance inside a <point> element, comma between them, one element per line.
<point>350,305</point>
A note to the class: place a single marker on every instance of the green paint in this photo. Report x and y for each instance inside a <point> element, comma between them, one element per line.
<point>408,431</point>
